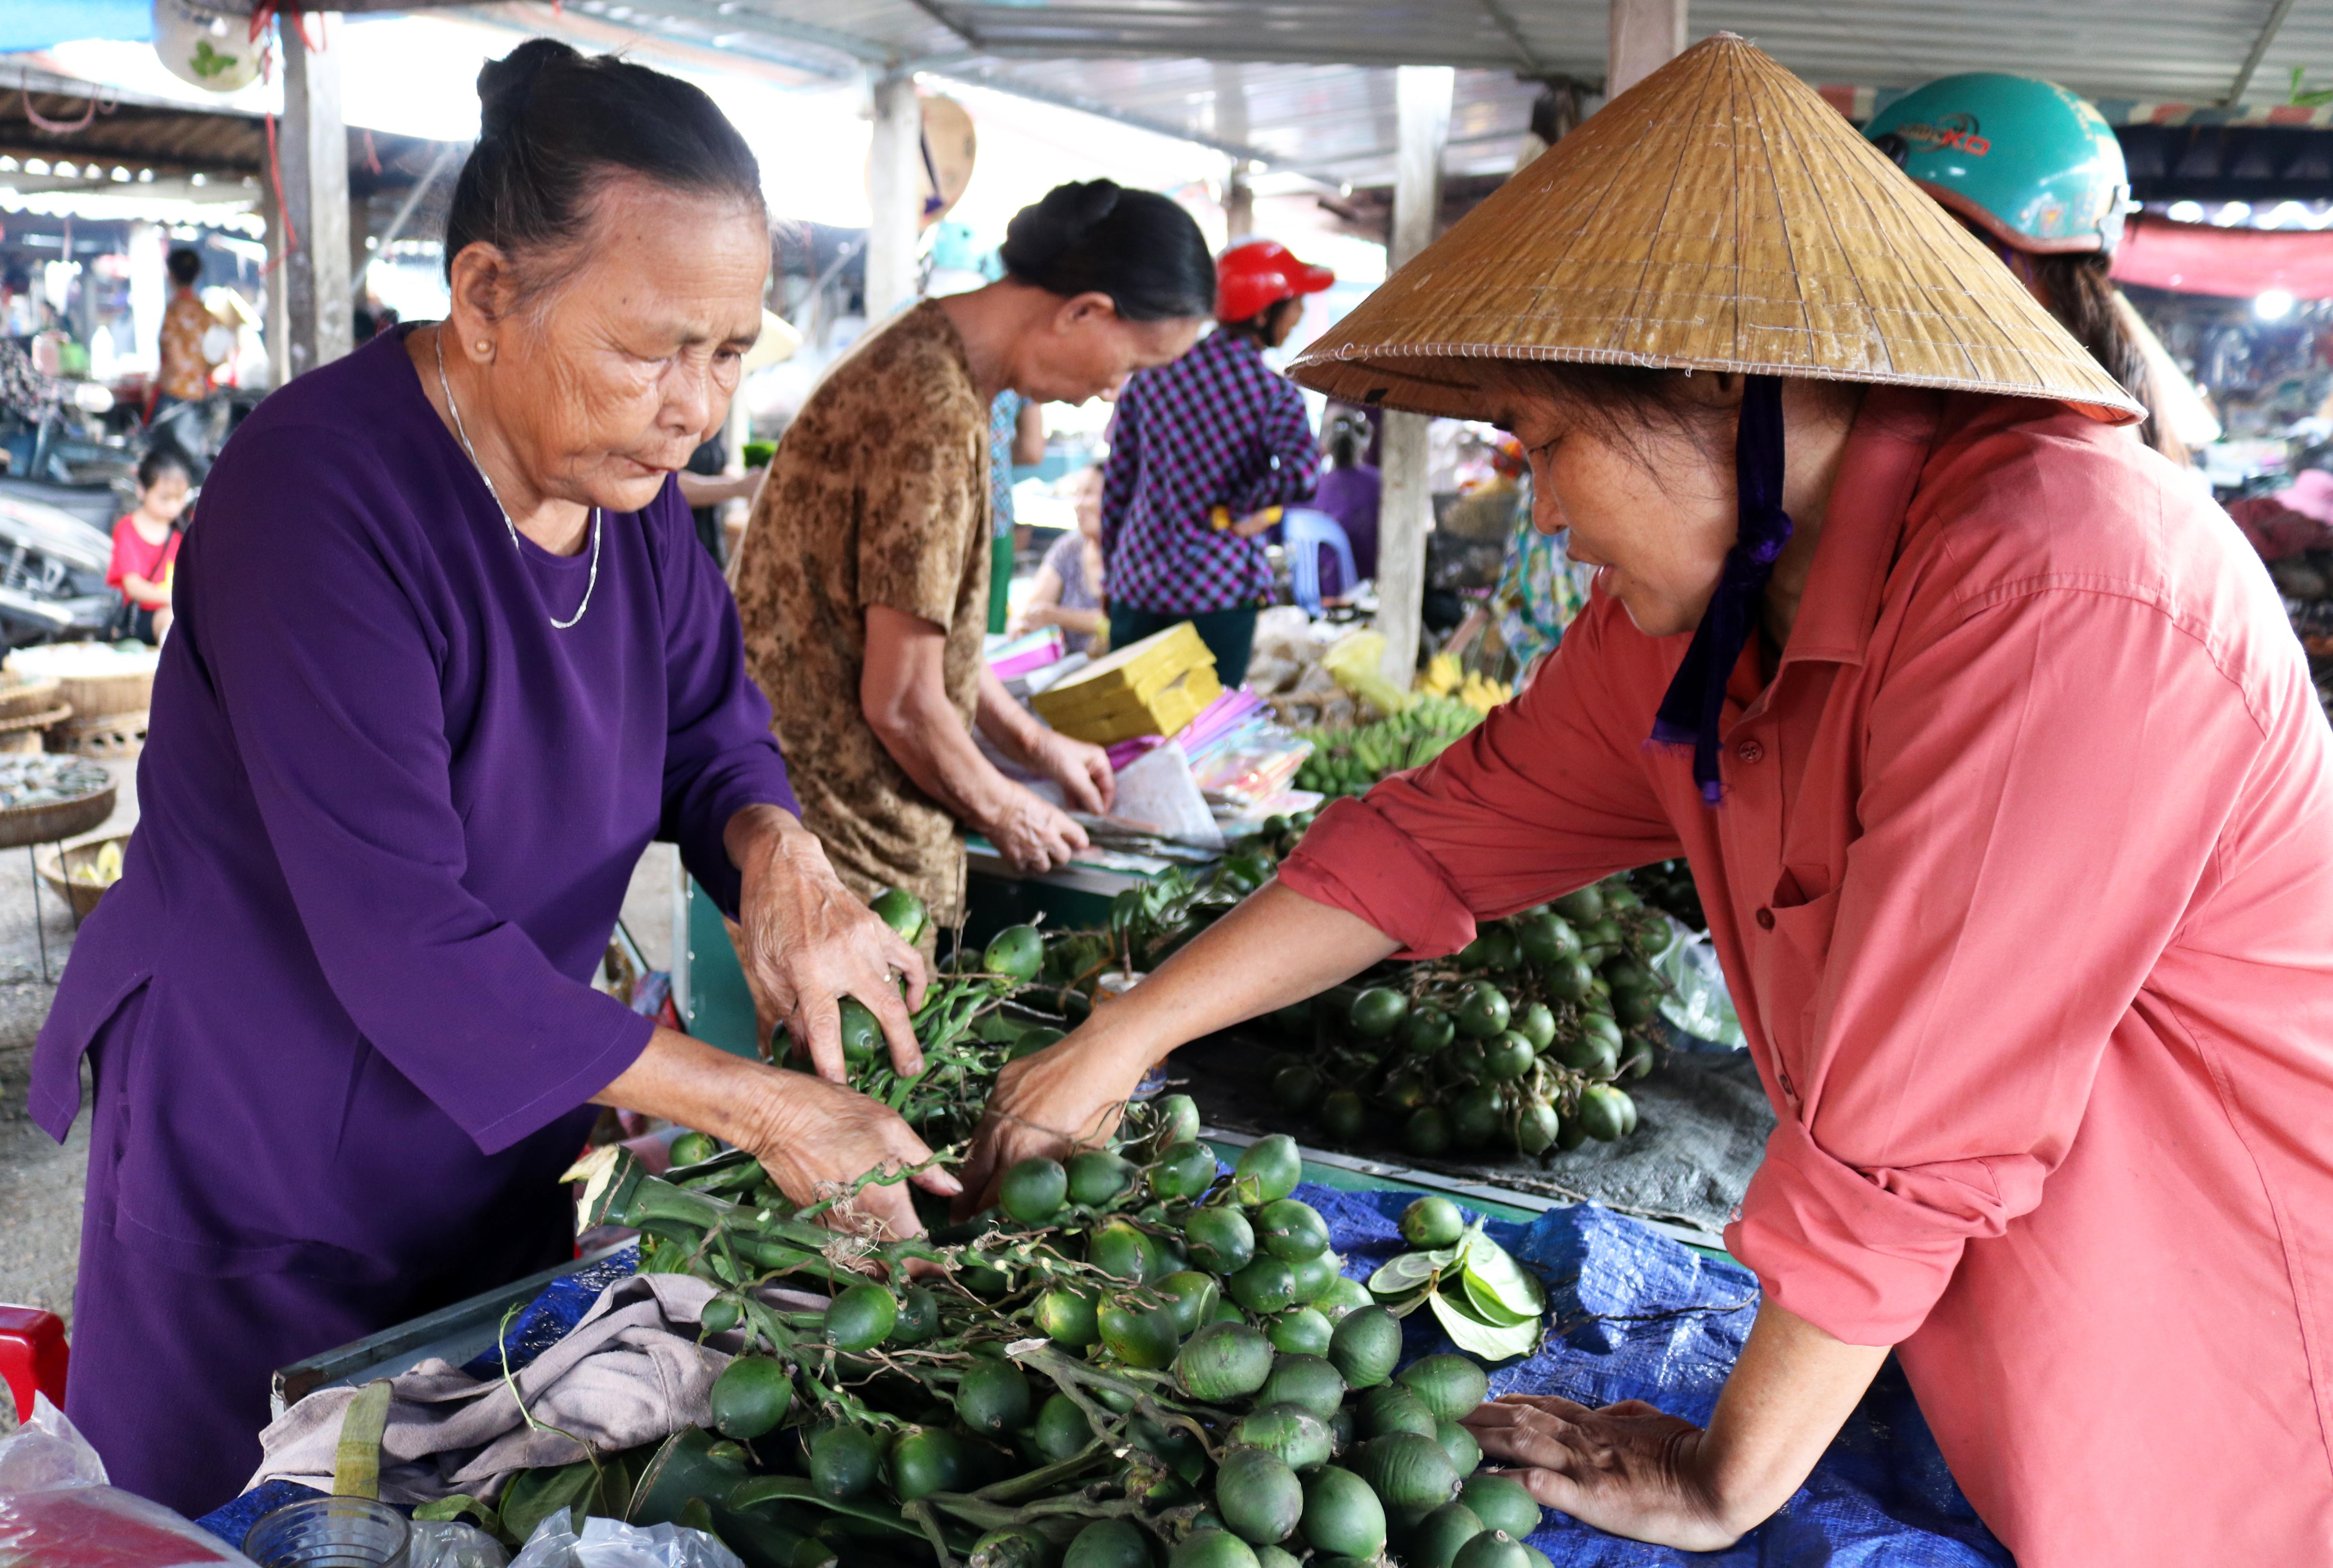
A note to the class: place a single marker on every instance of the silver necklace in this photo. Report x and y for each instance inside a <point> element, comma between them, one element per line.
<point>451,408</point>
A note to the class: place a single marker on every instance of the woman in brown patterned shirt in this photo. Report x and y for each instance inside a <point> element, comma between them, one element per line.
<point>863,578</point>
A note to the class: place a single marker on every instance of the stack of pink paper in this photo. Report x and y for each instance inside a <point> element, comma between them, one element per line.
<point>1033,652</point>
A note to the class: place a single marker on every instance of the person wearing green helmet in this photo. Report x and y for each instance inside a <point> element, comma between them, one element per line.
<point>2037,174</point>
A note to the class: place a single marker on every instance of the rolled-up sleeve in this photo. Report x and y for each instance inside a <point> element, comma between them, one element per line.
<point>327,669</point>
<point>720,756</point>
<point>2027,848</point>
<point>1548,794</point>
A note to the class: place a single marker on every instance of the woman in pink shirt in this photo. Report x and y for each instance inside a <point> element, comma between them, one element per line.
<point>2005,787</point>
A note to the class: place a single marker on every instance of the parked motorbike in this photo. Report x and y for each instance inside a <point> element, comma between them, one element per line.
<point>53,566</point>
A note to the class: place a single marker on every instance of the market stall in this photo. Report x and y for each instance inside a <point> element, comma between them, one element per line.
<point>1636,1315</point>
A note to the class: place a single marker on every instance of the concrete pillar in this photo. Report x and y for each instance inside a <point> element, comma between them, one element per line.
<point>312,150</point>
<point>1645,35</point>
<point>149,290</point>
<point>1239,205</point>
<point>1422,95</point>
<point>1230,124</point>
<point>894,163</point>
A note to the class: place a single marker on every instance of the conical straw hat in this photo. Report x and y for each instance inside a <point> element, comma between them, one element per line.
<point>1718,215</point>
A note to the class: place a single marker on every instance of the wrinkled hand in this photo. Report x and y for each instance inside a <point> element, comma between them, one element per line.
<point>1067,1096</point>
<point>808,944</point>
<point>1080,768</point>
<point>1033,835</point>
<point>1627,1468</point>
<point>812,1136</point>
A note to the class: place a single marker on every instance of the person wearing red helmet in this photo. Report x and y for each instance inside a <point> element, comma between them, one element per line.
<point>1260,289</point>
<point>1203,453</point>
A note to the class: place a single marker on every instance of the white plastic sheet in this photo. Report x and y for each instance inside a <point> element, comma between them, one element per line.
<point>611,1544</point>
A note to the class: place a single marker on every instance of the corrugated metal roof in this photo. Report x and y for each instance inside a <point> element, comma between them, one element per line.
<point>2185,49</point>
<point>1304,84</point>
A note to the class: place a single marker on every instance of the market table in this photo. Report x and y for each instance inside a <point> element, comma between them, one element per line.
<point>1706,1118</point>
<point>1632,1314</point>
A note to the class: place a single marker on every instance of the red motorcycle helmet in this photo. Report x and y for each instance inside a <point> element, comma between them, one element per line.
<point>1254,275</point>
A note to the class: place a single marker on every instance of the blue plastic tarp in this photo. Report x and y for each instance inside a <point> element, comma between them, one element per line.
<point>1636,1316</point>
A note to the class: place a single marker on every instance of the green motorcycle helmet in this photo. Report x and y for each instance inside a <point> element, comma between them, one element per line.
<point>2025,161</point>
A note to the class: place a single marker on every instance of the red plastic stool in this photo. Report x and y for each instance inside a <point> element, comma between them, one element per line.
<point>33,1356</point>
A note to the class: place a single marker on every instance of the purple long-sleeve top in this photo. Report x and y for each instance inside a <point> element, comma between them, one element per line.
<point>388,813</point>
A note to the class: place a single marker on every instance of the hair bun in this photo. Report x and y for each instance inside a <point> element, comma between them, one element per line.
<point>1097,236</point>
<point>1091,200</point>
<point>506,85</point>
<point>1041,235</point>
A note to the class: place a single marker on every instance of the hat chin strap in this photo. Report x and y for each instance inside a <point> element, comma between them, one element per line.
<point>1690,713</point>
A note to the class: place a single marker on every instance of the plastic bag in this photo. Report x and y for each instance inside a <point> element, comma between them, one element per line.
<point>451,1544</point>
<point>1698,1004</point>
<point>611,1544</point>
<point>57,1510</point>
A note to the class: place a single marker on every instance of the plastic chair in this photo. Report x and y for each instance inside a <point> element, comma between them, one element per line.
<point>32,1356</point>
<point>1303,534</point>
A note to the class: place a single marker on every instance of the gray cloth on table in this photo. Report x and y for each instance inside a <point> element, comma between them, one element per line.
<point>630,1372</point>
<point>1704,1122</point>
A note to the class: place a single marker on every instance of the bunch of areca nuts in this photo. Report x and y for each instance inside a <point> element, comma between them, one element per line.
<point>1516,1044</point>
<point>1137,1359</point>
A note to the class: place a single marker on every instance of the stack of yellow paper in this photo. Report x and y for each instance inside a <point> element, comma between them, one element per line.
<point>1153,687</point>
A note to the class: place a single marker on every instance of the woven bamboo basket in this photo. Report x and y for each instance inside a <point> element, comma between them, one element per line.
<point>94,679</point>
<point>55,819</point>
<point>56,869</point>
<point>21,697</point>
<point>101,696</point>
<point>47,718</point>
<point>108,737</point>
<point>27,732</point>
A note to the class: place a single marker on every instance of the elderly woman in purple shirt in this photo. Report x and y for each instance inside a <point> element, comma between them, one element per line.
<point>448,656</point>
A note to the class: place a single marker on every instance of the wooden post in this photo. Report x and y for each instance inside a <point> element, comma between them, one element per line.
<point>312,150</point>
<point>275,321</point>
<point>895,162</point>
<point>1645,35</point>
<point>1422,95</point>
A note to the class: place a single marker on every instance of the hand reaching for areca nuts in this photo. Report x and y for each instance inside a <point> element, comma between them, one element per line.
<point>808,944</point>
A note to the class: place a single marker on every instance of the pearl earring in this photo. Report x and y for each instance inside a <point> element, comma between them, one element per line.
<point>484,347</point>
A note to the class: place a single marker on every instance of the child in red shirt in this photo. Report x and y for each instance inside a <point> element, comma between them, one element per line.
<point>146,545</point>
